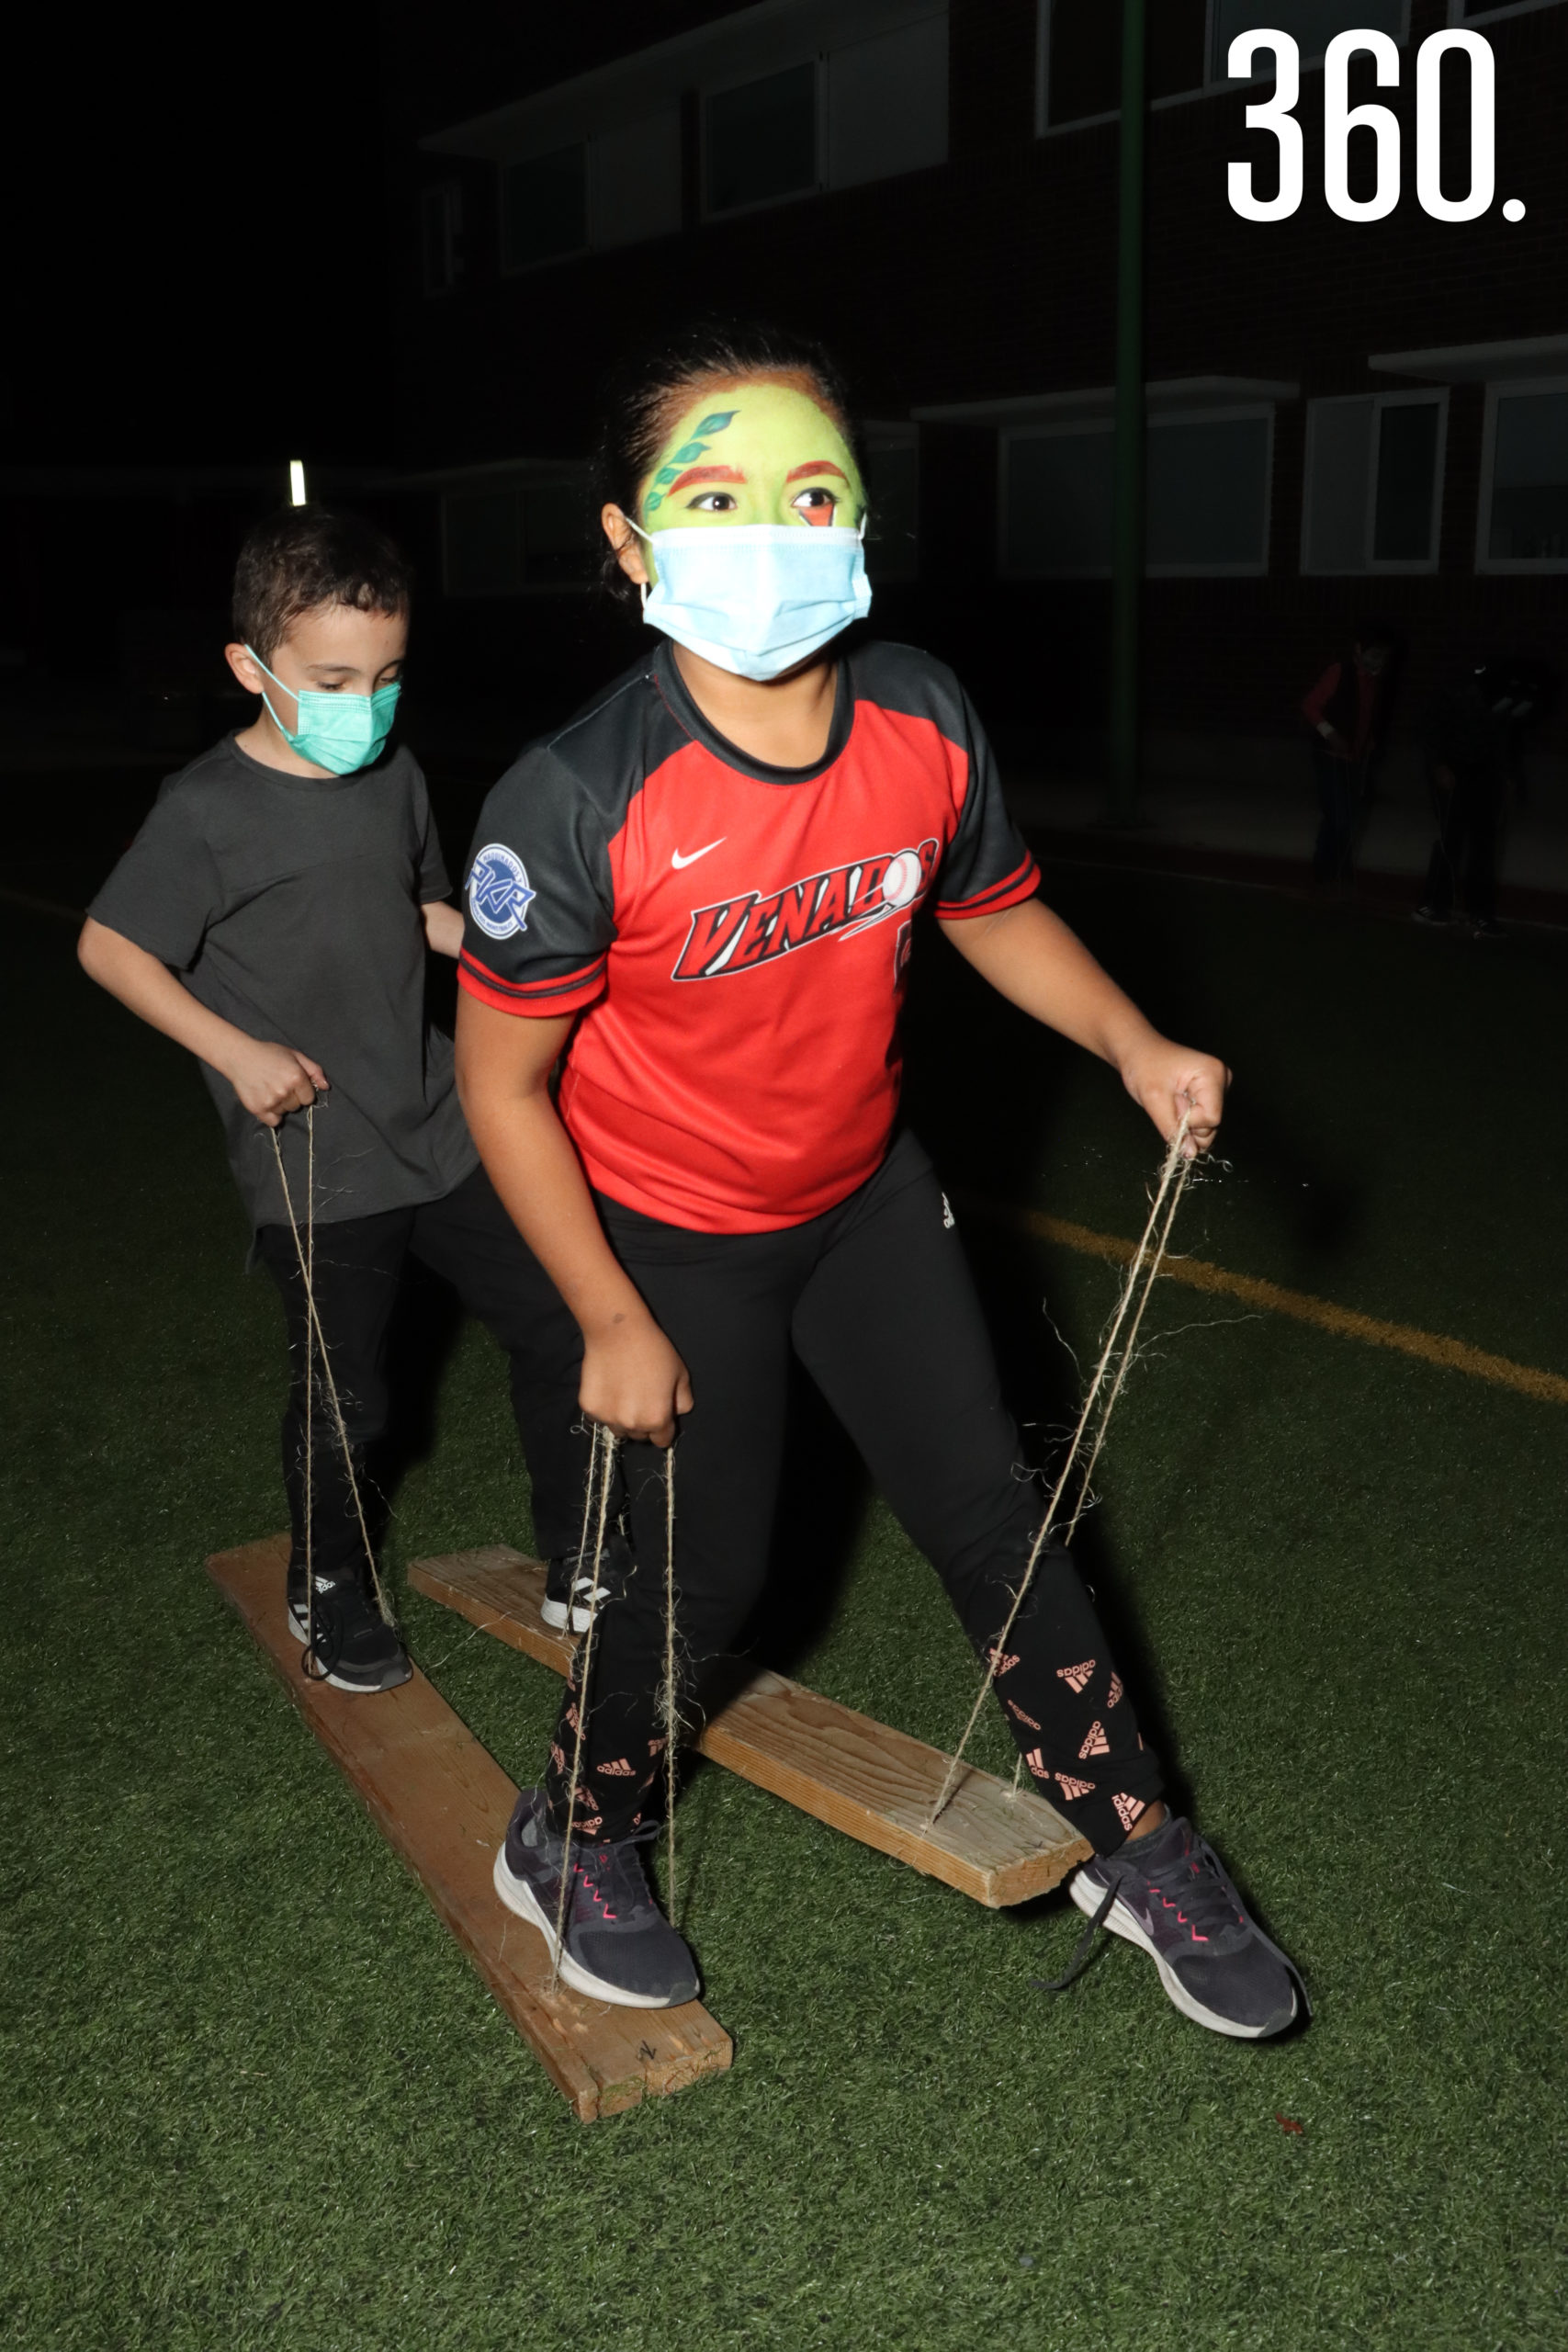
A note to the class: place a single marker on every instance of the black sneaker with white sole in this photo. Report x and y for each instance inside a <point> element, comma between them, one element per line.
<point>1171,1896</point>
<point>618,1946</point>
<point>351,1645</point>
<point>569,1583</point>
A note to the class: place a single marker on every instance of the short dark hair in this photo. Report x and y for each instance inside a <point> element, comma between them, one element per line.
<point>647,390</point>
<point>304,557</point>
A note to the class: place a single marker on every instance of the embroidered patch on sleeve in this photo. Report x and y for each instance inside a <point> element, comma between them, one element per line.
<point>499,892</point>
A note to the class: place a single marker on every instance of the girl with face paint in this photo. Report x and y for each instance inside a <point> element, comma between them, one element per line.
<point>703,892</point>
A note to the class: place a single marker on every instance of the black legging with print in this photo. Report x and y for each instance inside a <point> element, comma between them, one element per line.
<point>876,1299</point>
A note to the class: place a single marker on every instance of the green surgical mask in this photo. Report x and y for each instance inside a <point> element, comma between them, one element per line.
<point>340,732</point>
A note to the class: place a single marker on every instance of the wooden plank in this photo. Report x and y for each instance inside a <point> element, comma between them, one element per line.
<point>845,1769</point>
<point>444,1803</point>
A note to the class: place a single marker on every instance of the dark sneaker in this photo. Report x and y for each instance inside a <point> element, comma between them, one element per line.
<point>619,1946</point>
<point>352,1646</point>
<point>1483,927</point>
<point>1433,916</point>
<point>1171,1894</point>
<point>566,1592</point>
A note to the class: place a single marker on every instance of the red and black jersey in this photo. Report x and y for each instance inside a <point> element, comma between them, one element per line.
<point>735,936</point>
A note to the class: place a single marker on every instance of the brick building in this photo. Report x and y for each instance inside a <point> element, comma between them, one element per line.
<point>1344,416</point>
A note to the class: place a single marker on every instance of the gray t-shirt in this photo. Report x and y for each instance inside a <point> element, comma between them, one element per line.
<point>290,905</point>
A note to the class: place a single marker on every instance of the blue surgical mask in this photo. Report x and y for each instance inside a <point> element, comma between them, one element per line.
<point>339,732</point>
<point>756,597</point>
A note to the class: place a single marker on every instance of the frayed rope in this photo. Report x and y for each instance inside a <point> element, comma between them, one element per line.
<point>1104,1390</point>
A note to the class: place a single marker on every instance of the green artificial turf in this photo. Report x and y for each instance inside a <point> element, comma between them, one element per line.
<point>251,2093</point>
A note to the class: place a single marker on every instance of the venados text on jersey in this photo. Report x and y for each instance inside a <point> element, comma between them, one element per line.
<point>737,934</point>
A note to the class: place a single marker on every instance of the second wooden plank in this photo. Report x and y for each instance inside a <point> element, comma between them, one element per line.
<point>443,1802</point>
<point>844,1768</point>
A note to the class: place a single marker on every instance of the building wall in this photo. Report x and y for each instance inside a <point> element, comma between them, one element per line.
<point>993,276</point>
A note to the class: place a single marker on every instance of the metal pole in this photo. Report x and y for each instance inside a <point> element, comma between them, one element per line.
<point>1127,526</point>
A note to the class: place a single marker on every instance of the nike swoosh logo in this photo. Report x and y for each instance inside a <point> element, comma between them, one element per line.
<point>677,861</point>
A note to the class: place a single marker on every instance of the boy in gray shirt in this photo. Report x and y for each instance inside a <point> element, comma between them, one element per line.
<point>274,915</point>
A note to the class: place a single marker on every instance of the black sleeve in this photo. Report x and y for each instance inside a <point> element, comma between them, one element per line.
<point>165,893</point>
<point>538,898</point>
<point>987,866</point>
<point>435,882</point>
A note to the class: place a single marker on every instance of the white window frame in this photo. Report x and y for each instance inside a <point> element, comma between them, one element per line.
<point>550,261</point>
<point>518,491</point>
<point>1079,429</point>
<point>876,436</point>
<point>942,9</point>
<point>597,245</point>
<point>464,596</point>
<point>1490,15</point>
<point>1082,429</point>
<point>448,195</point>
<point>1244,411</point>
<point>1213,83</point>
<point>1373,566</point>
<point>817,59</point>
<point>1527,565</point>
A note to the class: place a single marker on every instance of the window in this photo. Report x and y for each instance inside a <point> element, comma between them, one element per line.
<point>1312,24</point>
<point>543,208</point>
<point>616,189</point>
<point>1080,56</point>
<point>501,541</point>
<point>634,180</point>
<point>1208,493</point>
<point>1374,483</point>
<point>440,219</point>
<point>760,141</point>
<point>1079,53</point>
<point>828,95</point>
<point>892,486</point>
<point>556,549</point>
<point>1524,478</point>
<point>482,543</point>
<point>1057,503</point>
<point>1406,499</point>
<point>887,104</point>
<point>1207,497</point>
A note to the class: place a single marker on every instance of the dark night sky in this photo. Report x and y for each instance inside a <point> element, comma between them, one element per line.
<point>207,259</point>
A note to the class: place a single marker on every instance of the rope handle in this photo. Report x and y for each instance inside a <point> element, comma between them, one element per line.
<point>316,1342</point>
<point>1144,1269</point>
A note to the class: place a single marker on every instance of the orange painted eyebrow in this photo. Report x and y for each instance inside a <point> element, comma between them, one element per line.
<point>822,466</point>
<point>705,473</point>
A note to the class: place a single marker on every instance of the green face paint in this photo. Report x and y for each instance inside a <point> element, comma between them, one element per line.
<point>757,452</point>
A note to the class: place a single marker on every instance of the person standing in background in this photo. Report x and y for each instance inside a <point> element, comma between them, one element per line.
<point>1473,732</point>
<point>1343,711</point>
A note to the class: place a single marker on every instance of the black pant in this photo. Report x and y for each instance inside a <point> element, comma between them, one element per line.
<point>467,1238</point>
<point>1464,857</point>
<point>877,1300</point>
<point>1339,788</point>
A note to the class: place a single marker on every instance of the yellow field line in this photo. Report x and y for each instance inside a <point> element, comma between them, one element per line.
<point>1453,1355</point>
<point>1344,1322</point>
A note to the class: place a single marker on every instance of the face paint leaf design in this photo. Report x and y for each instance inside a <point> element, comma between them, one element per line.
<point>716,422</point>
<point>692,449</point>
